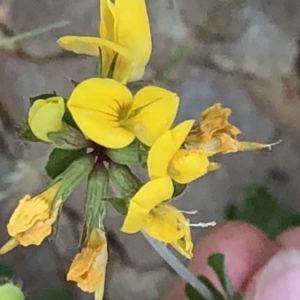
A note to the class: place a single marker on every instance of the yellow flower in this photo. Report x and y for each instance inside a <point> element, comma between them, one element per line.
<point>108,113</point>
<point>215,134</point>
<point>148,197</point>
<point>167,158</point>
<point>45,116</point>
<point>89,266</point>
<point>32,220</point>
<point>168,225</point>
<point>124,39</point>
<point>147,211</point>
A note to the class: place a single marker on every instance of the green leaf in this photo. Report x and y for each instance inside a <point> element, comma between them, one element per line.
<point>50,294</point>
<point>127,183</point>
<point>238,296</point>
<point>6,273</point>
<point>216,262</point>
<point>26,134</point>
<point>178,189</point>
<point>263,210</point>
<point>68,117</point>
<point>120,204</point>
<point>95,206</point>
<point>60,159</point>
<point>192,294</point>
<point>29,34</point>
<point>231,212</point>
<point>11,292</point>
<point>133,154</point>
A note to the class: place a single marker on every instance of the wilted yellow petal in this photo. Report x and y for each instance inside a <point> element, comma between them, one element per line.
<point>89,266</point>
<point>153,112</point>
<point>31,221</point>
<point>46,116</point>
<point>215,134</point>
<point>165,148</point>
<point>188,165</point>
<point>149,195</point>
<point>98,107</point>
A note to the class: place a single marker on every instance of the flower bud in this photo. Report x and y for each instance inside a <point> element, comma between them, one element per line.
<point>45,115</point>
<point>11,292</point>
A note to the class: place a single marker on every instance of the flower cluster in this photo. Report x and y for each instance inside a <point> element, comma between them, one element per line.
<point>100,130</point>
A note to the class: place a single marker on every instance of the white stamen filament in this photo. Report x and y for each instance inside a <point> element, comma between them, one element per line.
<point>203,224</point>
<point>193,212</point>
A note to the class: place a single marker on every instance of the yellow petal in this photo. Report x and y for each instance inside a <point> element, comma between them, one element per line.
<point>97,106</point>
<point>164,149</point>
<point>149,195</point>
<point>106,28</point>
<point>46,116</point>
<point>165,223</point>
<point>188,165</point>
<point>154,110</point>
<point>184,245</point>
<point>91,45</point>
<point>132,31</point>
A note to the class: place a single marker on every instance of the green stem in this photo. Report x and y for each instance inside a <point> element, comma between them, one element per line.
<point>179,268</point>
<point>29,34</point>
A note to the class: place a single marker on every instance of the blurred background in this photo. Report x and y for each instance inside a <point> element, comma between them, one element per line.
<point>242,53</point>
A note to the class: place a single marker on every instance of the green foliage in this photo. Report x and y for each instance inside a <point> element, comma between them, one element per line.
<point>216,262</point>
<point>60,159</point>
<point>68,117</point>
<point>178,189</point>
<point>9,291</point>
<point>133,154</point>
<point>121,175</point>
<point>37,31</point>
<point>120,204</point>
<point>26,134</point>
<point>262,209</point>
<point>192,294</point>
<point>6,274</point>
